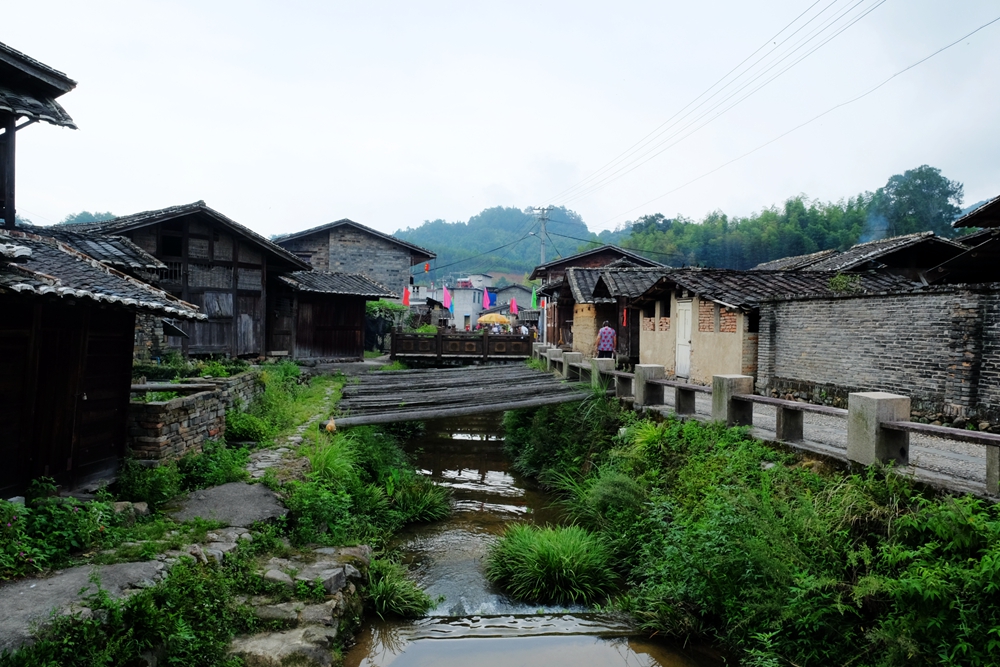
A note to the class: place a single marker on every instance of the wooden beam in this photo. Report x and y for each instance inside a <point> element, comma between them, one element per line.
<point>9,142</point>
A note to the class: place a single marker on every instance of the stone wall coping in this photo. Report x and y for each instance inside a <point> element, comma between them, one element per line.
<point>977,288</point>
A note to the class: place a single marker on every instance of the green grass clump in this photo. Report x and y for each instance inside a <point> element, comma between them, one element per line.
<point>392,593</point>
<point>245,427</point>
<point>216,464</point>
<point>566,565</point>
<point>139,483</point>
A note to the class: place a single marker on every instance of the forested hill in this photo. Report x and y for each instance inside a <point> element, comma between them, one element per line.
<point>495,227</point>
<point>918,200</point>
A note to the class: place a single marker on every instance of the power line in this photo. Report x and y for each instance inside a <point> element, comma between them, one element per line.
<point>645,252</point>
<point>703,93</point>
<point>808,122</point>
<point>486,252</point>
<point>637,161</point>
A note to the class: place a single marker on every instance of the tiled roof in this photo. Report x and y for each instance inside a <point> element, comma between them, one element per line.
<point>746,289</point>
<point>636,259</point>
<point>55,269</point>
<point>630,282</point>
<point>795,262</point>
<point>115,251</point>
<point>582,283</point>
<point>975,238</point>
<point>146,218</point>
<point>862,253</point>
<point>330,225</point>
<point>347,284</point>
<point>987,215</point>
<point>29,88</point>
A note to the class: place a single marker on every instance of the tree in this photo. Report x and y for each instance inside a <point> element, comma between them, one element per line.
<point>919,200</point>
<point>87,216</point>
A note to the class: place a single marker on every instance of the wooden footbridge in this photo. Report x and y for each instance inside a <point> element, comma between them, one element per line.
<point>433,393</point>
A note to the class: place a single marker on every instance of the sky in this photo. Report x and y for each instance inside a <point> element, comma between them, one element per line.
<point>285,116</point>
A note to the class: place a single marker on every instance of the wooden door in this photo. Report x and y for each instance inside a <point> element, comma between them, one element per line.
<point>249,331</point>
<point>682,359</point>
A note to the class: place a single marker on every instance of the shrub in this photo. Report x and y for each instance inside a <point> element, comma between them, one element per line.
<point>242,426</point>
<point>420,500</point>
<point>138,483</point>
<point>560,565</point>
<point>391,592</point>
<point>215,465</point>
<point>332,460</point>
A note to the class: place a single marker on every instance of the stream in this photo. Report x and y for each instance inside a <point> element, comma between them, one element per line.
<point>475,624</point>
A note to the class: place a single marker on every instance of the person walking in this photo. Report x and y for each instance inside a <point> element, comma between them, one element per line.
<point>606,341</point>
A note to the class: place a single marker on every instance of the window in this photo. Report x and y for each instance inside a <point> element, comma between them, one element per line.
<point>665,307</point>
<point>171,246</point>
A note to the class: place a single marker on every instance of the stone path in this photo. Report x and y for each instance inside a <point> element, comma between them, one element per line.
<point>947,464</point>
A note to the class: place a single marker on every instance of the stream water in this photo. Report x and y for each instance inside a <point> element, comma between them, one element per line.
<point>475,624</point>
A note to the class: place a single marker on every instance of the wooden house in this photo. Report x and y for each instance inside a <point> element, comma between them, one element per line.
<point>66,344</point>
<point>346,246</point>
<point>215,263</point>
<point>562,296</point>
<point>320,315</point>
<point>28,92</point>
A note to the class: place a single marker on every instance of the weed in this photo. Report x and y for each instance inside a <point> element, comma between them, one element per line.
<point>391,592</point>
<point>561,565</point>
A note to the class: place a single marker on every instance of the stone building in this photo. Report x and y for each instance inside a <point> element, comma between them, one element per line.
<point>703,322</point>
<point>345,246</point>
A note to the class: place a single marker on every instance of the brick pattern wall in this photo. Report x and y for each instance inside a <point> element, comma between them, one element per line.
<point>727,321</point>
<point>664,324</point>
<point>355,251</point>
<point>748,363</point>
<point>314,248</point>
<point>168,430</point>
<point>939,347</point>
<point>706,316</point>
<point>149,339</point>
<point>649,324</point>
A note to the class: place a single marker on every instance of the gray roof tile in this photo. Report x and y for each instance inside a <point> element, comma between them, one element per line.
<point>347,284</point>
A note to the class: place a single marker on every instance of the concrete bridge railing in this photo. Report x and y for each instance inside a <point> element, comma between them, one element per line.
<point>878,423</point>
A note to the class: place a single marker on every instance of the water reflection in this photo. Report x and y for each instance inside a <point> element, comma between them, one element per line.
<point>477,624</point>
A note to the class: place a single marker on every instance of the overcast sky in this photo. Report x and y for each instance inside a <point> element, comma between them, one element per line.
<point>288,115</point>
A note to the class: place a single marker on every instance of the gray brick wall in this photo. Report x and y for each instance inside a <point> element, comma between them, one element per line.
<point>938,346</point>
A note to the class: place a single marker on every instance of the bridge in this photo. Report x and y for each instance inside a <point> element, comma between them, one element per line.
<point>390,396</point>
<point>461,346</point>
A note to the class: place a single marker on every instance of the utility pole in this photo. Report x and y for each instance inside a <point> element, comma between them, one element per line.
<point>543,217</point>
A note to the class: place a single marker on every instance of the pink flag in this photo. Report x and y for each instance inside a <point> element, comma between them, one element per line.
<point>447,298</point>
<point>513,306</point>
<point>486,299</point>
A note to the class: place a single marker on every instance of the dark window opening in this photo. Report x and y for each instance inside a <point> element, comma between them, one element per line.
<point>649,310</point>
<point>753,321</point>
<point>665,307</point>
<point>171,246</point>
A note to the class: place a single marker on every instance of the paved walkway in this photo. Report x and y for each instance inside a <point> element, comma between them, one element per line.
<point>957,466</point>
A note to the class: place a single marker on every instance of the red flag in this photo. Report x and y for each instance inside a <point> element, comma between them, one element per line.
<point>486,299</point>
<point>427,267</point>
<point>543,302</point>
<point>406,296</point>
<point>625,317</point>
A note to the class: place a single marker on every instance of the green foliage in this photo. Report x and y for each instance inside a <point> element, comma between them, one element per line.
<point>387,309</point>
<point>918,200</point>
<point>426,329</point>
<point>172,366</point>
<point>87,216</point>
<point>159,396</point>
<point>139,483</point>
<point>216,464</point>
<point>843,283</point>
<point>243,426</point>
<point>560,565</point>
<point>722,537</point>
<point>272,410</point>
<point>47,531</point>
<point>394,366</point>
<point>392,593</point>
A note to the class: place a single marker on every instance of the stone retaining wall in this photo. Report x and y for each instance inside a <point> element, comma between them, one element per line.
<point>161,431</point>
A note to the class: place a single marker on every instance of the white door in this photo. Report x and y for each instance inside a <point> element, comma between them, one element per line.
<point>682,358</point>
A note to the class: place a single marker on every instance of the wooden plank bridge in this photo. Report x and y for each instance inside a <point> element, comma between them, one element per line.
<point>392,396</point>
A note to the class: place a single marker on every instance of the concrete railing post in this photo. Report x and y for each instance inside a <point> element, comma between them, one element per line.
<point>728,409</point>
<point>597,368</point>
<point>867,441</point>
<point>684,401</point>
<point>570,358</point>
<point>623,386</point>
<point>788,424</point>
<point>993,471</point>
<point>538,350</point>
<point>552,358</point>
<point>645,392</point>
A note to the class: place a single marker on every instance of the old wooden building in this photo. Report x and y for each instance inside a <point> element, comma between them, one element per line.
<point>215,263</point>
<point>346,246</point>
<point>66,343</point>
<point>321,315</point>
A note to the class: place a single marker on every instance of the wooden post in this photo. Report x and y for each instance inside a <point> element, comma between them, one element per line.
<point>9,210</point>
<point>486,344</point>
<point>439,343</point>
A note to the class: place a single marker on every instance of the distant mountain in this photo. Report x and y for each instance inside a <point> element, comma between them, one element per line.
<point>507,236</point>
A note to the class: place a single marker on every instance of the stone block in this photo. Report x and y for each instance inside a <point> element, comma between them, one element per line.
<point>553,358</point>
<point>570,358</point>
<point>645,392</point>
<point>597,367</point>
<point>725,407</point>
<point>867,442</point>
<point>684,401</point>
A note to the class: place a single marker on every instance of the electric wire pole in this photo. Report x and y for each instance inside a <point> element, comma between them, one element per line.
<point>543,217</point>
